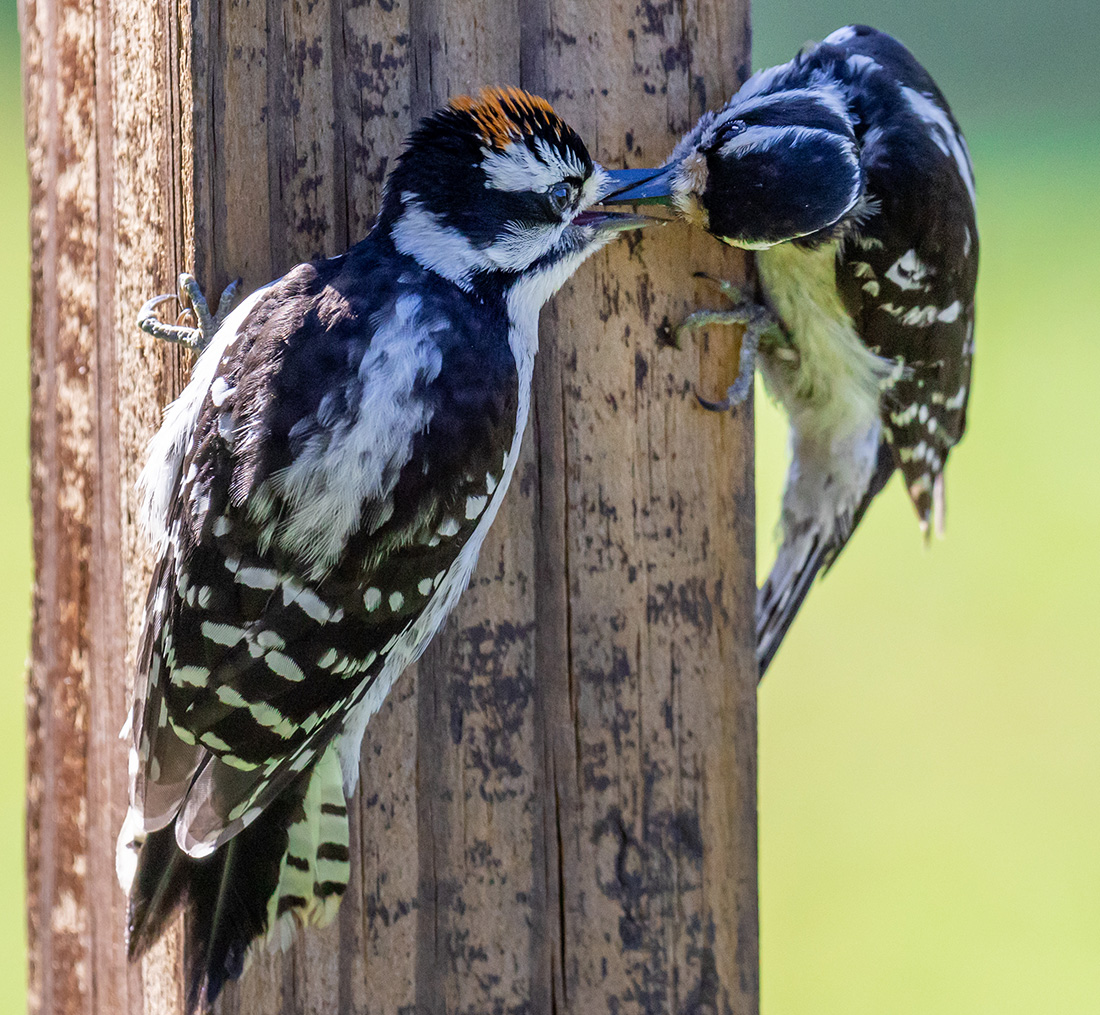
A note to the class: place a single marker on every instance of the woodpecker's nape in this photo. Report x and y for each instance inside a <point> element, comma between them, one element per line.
<point>846,174</point>
<point>317,498</point>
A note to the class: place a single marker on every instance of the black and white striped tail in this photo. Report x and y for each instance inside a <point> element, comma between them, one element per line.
<point>797,565</point>
<point>289,867</point>
<point>779,598</point>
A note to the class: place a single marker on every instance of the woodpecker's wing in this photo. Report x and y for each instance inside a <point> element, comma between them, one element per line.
<point>908,275</point>
<point>350,439</point>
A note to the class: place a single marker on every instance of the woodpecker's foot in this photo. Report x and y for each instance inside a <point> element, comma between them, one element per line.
<point>194,307</point>
<point>762,330</point>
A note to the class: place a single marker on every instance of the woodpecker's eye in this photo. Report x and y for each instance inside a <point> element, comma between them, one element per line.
<point>727,132</point>
<point>561,196</point>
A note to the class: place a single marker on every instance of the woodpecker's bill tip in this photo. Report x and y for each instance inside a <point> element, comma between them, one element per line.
<point>640,186</point>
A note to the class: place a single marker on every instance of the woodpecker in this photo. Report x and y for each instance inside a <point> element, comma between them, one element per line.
<point>846,174</point>
<point>317,498</point>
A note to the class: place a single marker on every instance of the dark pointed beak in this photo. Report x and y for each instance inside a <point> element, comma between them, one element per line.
<point>610,221</point>
<point>640,186</point>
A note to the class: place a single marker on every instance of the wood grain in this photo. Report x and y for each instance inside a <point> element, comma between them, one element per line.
<point>104,139</point>
<point>655,803</point>
<point>557,812</point>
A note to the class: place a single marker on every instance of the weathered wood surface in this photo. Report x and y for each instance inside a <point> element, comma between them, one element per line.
<point>557,810</point>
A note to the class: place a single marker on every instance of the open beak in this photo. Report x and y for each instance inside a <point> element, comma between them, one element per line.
<point>610,221</point>
<point>640,186</point>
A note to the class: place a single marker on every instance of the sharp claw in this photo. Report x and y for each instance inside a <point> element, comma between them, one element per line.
<point>737,392</point>
<point>150,306</point>
<point>207,324</point>
<point>149,322</point>
<point>727,289</point>
<point>725,405</point>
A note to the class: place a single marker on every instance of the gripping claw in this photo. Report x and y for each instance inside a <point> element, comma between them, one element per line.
<point>758,322</point>
<point>193,305</point>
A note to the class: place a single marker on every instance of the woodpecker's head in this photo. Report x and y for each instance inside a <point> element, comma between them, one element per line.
<point>774,165</point>
<point>498,189</point>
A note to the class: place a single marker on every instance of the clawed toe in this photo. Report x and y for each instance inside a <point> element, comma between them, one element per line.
<point>737,392</point>
<point>724,405</point>
<point>757,321</point>
<point>727,288</point>
<point>193,304</point>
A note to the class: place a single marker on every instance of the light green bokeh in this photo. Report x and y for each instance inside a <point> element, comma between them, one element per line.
<point>930,733</point>
<point>1033,62</point>
<point>15,549</point>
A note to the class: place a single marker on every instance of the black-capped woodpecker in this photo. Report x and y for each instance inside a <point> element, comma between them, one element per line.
<point>317,497</point>
<point>847,175</point>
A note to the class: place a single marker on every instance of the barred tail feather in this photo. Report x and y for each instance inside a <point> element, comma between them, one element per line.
<point>313,871</point>
<point>289,867</point>
<point>781,596</point>
<point>800,560</point>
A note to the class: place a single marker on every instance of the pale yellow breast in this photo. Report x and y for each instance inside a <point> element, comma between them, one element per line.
<point>836,382</point>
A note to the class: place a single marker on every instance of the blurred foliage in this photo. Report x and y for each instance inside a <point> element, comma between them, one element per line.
<point>14,515</point>
<point>1028,63</point>
<point>15,548</point>
<point>930,733</point>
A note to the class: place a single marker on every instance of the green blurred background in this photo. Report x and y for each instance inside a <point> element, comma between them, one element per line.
<point>930,733</point>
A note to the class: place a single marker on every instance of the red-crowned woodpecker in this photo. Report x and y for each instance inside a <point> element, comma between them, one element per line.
<point>317,497</point>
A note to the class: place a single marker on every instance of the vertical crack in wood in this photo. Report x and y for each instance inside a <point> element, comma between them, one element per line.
<point>340,232</point>
<point>549,943</point>
<point>61,135</point>
<point>429,954</point>
<point>107,639</point>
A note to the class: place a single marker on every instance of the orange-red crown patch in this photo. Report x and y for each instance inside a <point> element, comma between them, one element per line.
<point>505,115</point>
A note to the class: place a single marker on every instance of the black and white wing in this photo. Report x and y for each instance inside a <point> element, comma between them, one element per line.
<point>908,275</point>
<point>346,448</point>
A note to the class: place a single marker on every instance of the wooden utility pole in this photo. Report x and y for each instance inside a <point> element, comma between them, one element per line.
<point>557,806</point>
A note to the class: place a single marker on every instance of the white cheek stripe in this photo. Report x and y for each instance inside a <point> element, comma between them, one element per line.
<point>422,235</point>
<point>517,169</point>
<point>522,245</point>
<point>824,94</point>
